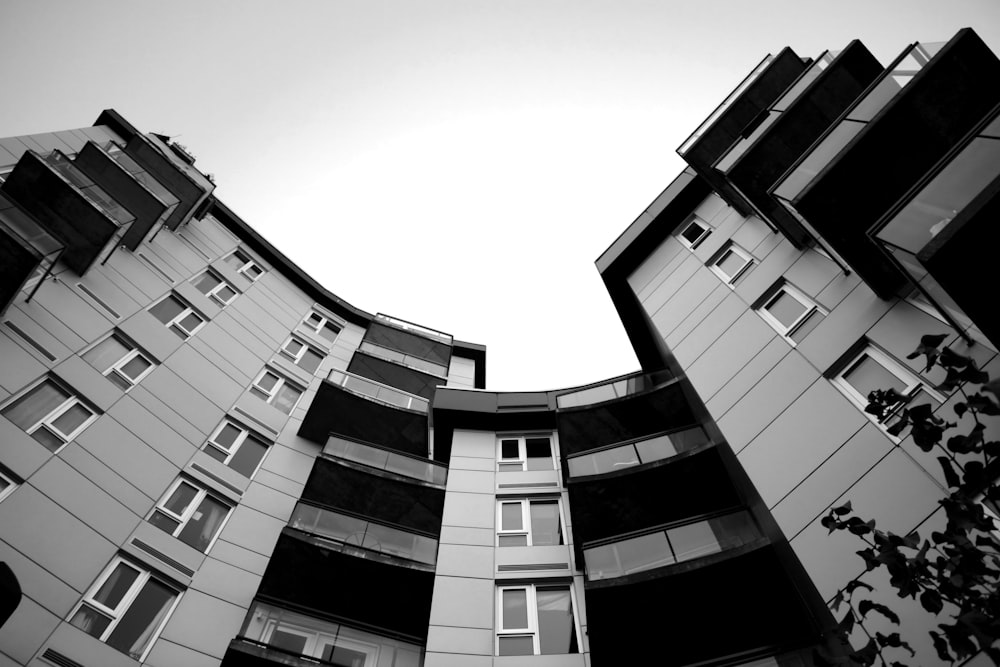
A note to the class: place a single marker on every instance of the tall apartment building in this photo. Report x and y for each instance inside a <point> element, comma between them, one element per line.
<point>833,211</point>
<point>208,458</point>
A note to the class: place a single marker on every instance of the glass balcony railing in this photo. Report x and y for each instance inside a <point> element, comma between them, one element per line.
<point>382,459</point>
<point>721,109</point>
<point>358,532</point>
<point>612,389</point>
<point>893,80</point>
<point>409,360</point>
<point>377,391</point>
<point>655,448</point>
<point>18,224</point>
<point>743,143</point>
<point>293,635</point>
<point>415,328</point>
<point>142,176</point>
<point>93,192</point>
<point>672,545</point>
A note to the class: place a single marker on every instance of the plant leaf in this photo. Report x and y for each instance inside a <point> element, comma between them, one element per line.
<point>931,601</point>
<point>951,477</point>
<point>941,646</point>
<point>867,605</point>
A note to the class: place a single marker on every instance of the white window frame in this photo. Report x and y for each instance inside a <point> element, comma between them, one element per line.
<point>248,264</point>
<point>297,356</point>
<point>116,368</point>
<point>706,230</point>
<point>11,485</point>
<point>192,507</point>
<point>123,606</point>
<point>522,457</point>
<point>237,443</point>
<point>175,325</point>
<point>912,382</point>
<point>525,504</point>
<point>731,247</point>
<point>811,307</point>
<point>270,394</point>
<point>46,422</point>
<point>318,326</point>
<point>532,604</point>
<point>213,293</point>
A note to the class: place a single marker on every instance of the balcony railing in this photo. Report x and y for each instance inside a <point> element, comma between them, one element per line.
<point>409,360</point>
<point>673,545</point>
<point>297,639</point>
<point>743,143</point>
<point>615,388</point>
<point>647,450</point>
<point>383,459</point>
<point>719,110</point>
<point>93,192</point>
<point>415,328</point>
<point>376,391</point>
<point>895,78</point>
<point>358,532</point>
<point>144,177</point>
<point>18,224</point>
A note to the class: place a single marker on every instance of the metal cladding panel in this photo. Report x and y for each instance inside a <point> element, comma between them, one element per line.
<point>754,602</point>
<point>617,421</point>
<point>620,503</point>
<point>337,411</point>
<point>370,593</point>
<point>373,496</point>
<point>916,128</point>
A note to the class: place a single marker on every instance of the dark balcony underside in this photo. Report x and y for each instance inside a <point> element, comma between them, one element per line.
<point>754,606</point>
<point>338,411</point>
<point>366,593</point>
<point>627,419</point>
<point>372,496</point>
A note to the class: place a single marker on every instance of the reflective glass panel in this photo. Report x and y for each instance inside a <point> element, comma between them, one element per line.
<point>516,646</point>
<point>693,541</point>
<point>136,628</point>
<point>655,449</point>
<point>36,404</point>
<point>539,452</point>
<point>556,628</point>
<point>546,528</point>
<point>204,523</point>
<point>248,456</point>
<point>116,585</point>
<point>106,353</point>
<point>72,419</point>
<point>644,553</point>
<point>867,374</point>
<point>785,308</point>
<point>515,608</point>
<point>510,516</point>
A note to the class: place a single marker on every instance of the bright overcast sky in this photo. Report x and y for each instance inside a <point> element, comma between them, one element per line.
<point>460,164</point>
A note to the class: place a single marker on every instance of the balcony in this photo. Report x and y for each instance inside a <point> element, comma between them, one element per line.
<point>619,458</point>
<point>924,104</point>
<point>344,588</point>
<point>610,390</point>
<point>408,383</point>
<point>272,635</point>
<point>410,344</point>
<point>27,253</point>
<point>351,490</point>
<point>69,205</point>
<point>126,189</point>
<point>381,458</point>
<point>662,408</point>
<point>359,409</point>
<point>801,115</point>
<point>624,614</point>
<point>738,112</point>
<point>943,236</point>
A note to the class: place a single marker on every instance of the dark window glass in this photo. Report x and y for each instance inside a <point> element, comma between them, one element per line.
<point>146,612</point>
<point>539,451</point>
<point>288,641</point>
<point>508,449</point>
<point>248,457</point>
<point>515,608</point>
<point>168,309</point>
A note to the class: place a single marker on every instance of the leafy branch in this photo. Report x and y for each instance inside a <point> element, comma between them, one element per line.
<point>956,571</point>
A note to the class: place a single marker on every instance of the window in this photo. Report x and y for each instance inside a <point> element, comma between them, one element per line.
<point>873,369</point>
<point>50,414</point>
<point>276,390</point>
<point>178,316</point>
<point>7,484</point>
<point>215,288</point>
<point>240,261</point>
<point>237,447</point>
<point>524,452</point>
<point>529,523</point>
<point>126,608</point>
<point>323,326</point>
<point>120,361</point>
<point>790,312</point>
<point>535,619</point>
<point>731,263</point>
<point>305,357</point>
<point>694,233</point>
<point>190,514</point>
